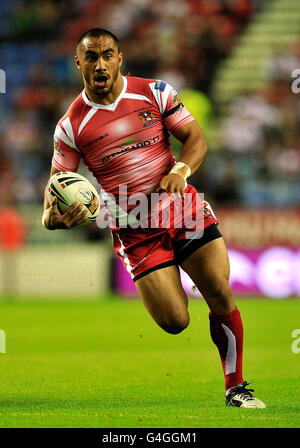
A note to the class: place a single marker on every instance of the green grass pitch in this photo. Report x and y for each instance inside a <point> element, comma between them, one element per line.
<point>107,364</point>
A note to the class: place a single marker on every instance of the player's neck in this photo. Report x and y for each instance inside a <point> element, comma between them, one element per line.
<point>110,97</point>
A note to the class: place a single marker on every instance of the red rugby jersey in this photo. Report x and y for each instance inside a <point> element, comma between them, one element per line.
<point>126,142</point>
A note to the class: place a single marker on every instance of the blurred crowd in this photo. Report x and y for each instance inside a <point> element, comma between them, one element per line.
<point>180,41</point>
<point>259,160</point>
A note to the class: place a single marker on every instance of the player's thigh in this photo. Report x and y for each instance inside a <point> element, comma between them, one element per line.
<point>209,269</point>
<point>164,297</point>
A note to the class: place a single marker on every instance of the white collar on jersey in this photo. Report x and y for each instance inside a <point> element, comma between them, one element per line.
<point>111,106</point>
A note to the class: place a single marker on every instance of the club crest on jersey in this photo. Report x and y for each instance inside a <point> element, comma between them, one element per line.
<point>57,147</point>
<point>147,117</point>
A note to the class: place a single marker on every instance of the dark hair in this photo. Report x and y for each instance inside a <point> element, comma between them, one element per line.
<point>97,32</point>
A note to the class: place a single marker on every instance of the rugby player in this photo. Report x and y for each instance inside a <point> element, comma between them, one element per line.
<point>111,111</point>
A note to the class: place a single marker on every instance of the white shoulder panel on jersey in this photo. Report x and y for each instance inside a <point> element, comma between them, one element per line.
<point>59,132</point>
<point>136,96</point>
<point>161,90</point>
<point>86,119</point>
<point>69,130</point>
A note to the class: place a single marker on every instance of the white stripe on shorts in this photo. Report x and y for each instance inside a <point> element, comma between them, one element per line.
<point>125,256</point>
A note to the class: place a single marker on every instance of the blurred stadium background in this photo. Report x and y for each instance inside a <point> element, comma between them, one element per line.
<point>231,61</point>
<point>100,360</point>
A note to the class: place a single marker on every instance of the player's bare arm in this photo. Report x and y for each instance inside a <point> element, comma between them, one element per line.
<point>52,217</point>
<point>193,151</point>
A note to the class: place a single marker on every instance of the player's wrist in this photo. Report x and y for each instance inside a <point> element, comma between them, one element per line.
<point>182,169</point>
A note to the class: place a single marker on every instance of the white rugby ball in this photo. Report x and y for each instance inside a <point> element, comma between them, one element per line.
<point>68,187</point>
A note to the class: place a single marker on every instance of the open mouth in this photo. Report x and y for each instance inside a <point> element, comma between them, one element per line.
<point>101,80</point>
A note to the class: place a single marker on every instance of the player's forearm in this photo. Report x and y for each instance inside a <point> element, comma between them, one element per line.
<point>194,146</point>
<point>47,205</point>
<point>193,151</point>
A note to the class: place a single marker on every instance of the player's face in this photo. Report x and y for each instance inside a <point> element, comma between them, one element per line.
<point>99,60</point>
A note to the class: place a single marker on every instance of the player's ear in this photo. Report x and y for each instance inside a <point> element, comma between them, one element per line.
<point>77,62</point>
<point>120,59</point>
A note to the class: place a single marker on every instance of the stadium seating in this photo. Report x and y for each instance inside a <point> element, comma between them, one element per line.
<point>275,27</point>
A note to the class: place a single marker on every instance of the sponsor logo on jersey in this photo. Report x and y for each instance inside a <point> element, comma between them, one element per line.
<point>57,148</point>
<point>176,97</point>
<point>128,141</point>
<point>147,118</point>
<point>160,85</point>
<point>148,142</point>
<point>96,139</point>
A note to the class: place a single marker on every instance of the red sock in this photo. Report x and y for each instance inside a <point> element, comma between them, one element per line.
<point>227,334</point>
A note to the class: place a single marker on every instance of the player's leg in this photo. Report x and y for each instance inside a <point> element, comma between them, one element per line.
<point>209,268</point>
<point>148,255</point>
<point>165,299</point>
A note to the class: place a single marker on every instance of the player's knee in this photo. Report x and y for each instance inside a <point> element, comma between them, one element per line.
<point>176,324</point>
<point>223,293</point>
<point>222,296</point>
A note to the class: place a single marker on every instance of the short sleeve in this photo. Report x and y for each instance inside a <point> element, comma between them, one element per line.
<point>174,113</point>
<point>66,157</point>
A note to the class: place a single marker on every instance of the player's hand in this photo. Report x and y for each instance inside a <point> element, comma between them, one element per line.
<point>72,217</point>
<point>172,183</point>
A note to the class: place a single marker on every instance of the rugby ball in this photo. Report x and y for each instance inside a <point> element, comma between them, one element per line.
<point>68,187</point>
